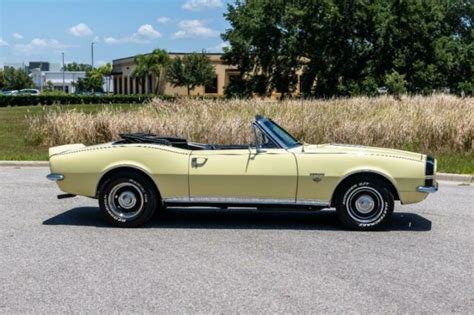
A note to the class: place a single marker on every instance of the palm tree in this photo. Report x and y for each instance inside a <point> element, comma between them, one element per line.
<point>155,64</point>
<point>106,71</point>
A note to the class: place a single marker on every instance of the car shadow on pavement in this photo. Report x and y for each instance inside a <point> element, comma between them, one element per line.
<point>213,218</point>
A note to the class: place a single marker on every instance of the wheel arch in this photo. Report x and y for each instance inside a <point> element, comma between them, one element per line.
<point>120,169</point>
<point>365,173</point>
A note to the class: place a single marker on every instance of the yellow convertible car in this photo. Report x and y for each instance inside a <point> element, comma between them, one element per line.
<point>140,173</point>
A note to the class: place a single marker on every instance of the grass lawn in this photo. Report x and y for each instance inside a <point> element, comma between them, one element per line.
<point>14,127</point>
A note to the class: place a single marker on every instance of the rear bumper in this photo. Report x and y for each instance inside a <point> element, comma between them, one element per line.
<point>55,177</point>
<point>428,189</point>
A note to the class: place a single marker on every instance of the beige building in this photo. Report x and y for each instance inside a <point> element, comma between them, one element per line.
<point>125,83</point>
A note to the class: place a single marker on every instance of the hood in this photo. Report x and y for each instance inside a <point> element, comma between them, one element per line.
<point>360,149</point>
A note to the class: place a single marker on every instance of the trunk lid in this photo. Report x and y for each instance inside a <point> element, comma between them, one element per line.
<point>65,148</point>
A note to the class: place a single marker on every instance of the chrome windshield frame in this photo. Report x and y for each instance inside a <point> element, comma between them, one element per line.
<point>259,123</point>
<point>267,134</point>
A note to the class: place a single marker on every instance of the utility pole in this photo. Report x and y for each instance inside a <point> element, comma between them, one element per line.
<point>92,54</point>
<point>64,84</point>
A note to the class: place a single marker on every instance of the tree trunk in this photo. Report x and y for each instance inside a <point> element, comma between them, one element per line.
<point>157,84</point>
<point>162,80</point>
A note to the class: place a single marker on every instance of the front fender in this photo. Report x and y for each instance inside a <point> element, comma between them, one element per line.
<point>366,170</point>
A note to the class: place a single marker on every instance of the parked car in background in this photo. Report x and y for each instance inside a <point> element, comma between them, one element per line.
<point>382,90</point>
<point>138,174</point>
<point>12,92</point>
<point>29,92</point>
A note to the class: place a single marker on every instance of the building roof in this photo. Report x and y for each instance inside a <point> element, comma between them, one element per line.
<point>57,72</point>
<point>169,53</point>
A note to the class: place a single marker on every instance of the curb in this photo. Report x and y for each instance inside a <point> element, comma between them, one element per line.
<point>464,178</point>
<point>24,163</point>
<point>455,177</point>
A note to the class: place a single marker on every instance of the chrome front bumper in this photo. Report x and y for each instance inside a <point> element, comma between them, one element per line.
<point>55,177</point>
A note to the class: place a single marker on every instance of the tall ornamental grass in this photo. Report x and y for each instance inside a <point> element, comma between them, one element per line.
<point>435,124</point>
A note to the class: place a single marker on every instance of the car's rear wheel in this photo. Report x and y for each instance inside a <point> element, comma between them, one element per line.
<point>365,204</point>
<point>128,199</point>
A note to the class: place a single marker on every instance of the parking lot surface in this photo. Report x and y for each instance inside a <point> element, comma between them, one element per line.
<point>59,256</point>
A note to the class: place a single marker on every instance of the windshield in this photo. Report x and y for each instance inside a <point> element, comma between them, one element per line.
<point>280,134</point>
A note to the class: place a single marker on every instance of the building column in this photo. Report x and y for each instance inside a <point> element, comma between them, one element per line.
<point>115,84</point>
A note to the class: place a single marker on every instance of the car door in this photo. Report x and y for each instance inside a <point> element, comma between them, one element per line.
<point>243,175</point>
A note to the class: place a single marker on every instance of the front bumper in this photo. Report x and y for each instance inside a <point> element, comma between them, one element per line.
<point>430,186</point>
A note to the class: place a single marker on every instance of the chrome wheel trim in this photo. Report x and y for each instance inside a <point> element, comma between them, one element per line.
<point>126,200</point>
<point>368,216</point>
<point>365,204</point>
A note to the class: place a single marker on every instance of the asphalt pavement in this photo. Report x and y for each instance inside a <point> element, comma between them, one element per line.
<point>59,256</point>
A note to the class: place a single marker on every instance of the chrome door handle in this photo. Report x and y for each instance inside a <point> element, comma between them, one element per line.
<point>198,161</point>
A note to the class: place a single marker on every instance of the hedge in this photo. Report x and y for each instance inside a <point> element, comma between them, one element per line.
<point>28,100</point>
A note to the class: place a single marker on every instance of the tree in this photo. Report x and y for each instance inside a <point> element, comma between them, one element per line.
<point>348,47</point>
<point>74,66</point>
<point>91,83</point>
<point>16,79</point>
<point>142,69</point>
<point>396,84</point>
<point>49,86</point>
<point>2,80</point>
<point>94,80</point>
<point>263,46</point>
<point>106,71</point>
<point>155,64</point>
<point>191,70</point>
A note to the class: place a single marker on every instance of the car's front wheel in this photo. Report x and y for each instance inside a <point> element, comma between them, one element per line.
<point>365,204</point>
<point>128,199</point>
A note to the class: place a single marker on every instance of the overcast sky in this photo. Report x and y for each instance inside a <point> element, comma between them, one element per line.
<point>41,29</point>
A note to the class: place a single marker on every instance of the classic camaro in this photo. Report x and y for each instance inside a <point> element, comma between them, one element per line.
<point>135,176</point>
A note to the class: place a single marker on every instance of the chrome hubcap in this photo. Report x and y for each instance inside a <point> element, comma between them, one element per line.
<point>365,204</point>
<point>127,200</point>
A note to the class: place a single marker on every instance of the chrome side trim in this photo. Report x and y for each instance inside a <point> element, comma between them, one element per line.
<point>427,189</point>
<point>246,201</point>
<point>320,203</point>
<point>55,177</point>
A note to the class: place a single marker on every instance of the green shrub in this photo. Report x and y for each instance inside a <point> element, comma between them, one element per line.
<point>466,88</point>
<point>396,84</point>
<point>66,99</point>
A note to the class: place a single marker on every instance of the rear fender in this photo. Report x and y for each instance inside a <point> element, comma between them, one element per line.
<point>65,148</point>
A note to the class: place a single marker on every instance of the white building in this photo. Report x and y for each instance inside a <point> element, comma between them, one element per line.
<point>41,79</point>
